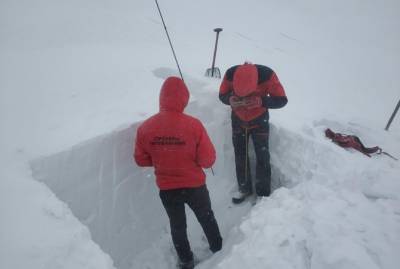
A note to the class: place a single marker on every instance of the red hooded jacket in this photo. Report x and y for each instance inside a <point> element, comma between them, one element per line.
<point>177,145</point>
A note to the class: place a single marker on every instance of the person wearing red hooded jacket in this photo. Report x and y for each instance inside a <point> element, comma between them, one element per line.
<point>250,90</point>
<point>178,147</point>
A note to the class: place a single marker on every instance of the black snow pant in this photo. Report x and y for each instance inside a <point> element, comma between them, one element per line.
<point>258,130</point>
<point>198,200</point>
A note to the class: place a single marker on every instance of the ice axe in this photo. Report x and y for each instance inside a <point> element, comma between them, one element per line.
<point>214,71</point>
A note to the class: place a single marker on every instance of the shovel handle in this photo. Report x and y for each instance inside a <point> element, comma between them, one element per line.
<point>217,30</point>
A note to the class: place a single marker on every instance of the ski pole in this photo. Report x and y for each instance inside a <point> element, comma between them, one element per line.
<point>392,117</point>
<point>169,39</point>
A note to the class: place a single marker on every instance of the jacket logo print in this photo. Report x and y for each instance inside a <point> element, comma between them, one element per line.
<point>167,140</point>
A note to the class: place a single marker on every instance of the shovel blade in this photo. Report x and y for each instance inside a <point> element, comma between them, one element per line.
<point>213,72</point>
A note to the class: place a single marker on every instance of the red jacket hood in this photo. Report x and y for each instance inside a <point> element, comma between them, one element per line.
<point>245,80</point>
<point>174,95</point>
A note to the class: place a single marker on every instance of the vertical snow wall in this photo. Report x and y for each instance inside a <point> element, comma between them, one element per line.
<point>106,192</point>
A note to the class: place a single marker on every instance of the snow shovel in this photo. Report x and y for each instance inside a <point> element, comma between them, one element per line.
<point>214,71</point>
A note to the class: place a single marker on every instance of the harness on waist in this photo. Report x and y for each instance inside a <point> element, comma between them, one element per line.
<point>249,126</point>
<point>352,141</point>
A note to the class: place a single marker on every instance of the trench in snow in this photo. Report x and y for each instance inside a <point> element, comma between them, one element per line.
<point>119,203</point>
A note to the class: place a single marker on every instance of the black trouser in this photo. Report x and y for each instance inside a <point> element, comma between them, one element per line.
<point>198,200</point>
<point>258,129</point>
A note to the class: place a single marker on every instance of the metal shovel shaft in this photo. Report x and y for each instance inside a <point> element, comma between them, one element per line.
<point>217,30</point>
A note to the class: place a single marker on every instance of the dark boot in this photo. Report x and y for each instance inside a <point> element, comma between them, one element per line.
<point>240,197</point>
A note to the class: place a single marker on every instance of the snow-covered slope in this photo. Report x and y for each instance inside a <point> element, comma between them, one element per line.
<point>77,78</point>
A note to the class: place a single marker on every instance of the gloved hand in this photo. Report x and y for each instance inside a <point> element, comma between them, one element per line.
<point>236,101</point>
<point>253,101</point>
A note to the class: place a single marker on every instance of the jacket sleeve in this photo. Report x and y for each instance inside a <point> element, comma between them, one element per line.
<point>276,96</point>
<point>225,90</point>
<point>205,155</point>
<point>142,158</point>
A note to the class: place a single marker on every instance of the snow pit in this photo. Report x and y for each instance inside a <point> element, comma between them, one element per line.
<point>118,201</point>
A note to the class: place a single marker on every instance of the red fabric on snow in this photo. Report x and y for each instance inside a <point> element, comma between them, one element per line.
<point>176,144</point>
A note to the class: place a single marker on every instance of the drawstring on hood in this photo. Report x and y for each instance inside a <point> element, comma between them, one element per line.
<point>174,95</point>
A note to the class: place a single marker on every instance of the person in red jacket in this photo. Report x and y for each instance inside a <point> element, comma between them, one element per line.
<point>178,147</point>
<point>251,89</point>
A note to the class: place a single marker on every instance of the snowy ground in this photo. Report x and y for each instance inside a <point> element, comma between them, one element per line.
<point>77,78</point>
